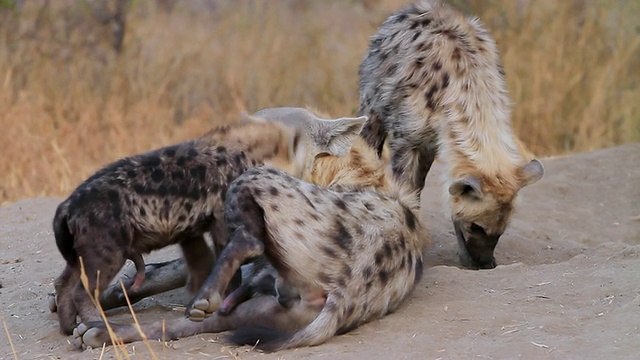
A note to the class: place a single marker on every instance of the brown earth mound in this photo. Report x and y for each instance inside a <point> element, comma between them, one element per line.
<point>568,286</point>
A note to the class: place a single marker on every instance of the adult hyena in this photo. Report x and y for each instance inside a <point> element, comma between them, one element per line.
<point>432,82</point>
<point>351,245</point>
<point>172,195</point>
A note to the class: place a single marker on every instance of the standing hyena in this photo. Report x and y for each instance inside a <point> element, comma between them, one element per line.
<point>172,195</point>
<point>352,246</point>
<point>432,82</point>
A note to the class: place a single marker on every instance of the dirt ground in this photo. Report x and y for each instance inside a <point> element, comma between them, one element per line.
<point>568,286</point>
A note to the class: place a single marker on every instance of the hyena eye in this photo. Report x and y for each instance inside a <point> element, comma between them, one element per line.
<point>475,228</point>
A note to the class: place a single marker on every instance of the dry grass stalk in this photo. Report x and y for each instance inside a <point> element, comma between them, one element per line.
<point>6,330</point>
<point>71,104</point>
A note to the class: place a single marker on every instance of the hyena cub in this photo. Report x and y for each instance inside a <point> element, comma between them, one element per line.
<point>172,195</point>
<point>352,246</point>
<point>432,82</point>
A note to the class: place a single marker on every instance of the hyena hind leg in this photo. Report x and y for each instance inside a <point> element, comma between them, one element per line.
<point>62,301</point>
<point>100,271</point>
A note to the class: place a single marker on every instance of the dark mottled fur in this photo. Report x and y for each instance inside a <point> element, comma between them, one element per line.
<point>172,195</point>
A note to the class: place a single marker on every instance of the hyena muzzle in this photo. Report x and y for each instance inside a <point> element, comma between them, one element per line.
<point>141,203</point>
<point>351,246</point>
<point>432,83</point>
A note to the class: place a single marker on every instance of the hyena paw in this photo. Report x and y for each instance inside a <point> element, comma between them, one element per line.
<point>52,299</point>
<point>203,307</point>
<point>92,335</point>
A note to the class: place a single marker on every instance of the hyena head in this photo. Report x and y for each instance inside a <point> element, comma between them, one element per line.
<point>481,207</point>
<point>319,136</point>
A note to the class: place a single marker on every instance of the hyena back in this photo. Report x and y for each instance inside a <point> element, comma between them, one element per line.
<point>433,84</point>
<point>172,195</point>
<point>352,247</point>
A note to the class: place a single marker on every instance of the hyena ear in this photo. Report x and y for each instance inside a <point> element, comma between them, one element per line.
<point>322,154</point>
<point>531,172</point>
<point>469,185</point>
<point>341,133</point>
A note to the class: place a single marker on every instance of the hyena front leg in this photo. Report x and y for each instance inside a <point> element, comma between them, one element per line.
<point>260,311</point>
<point>245,220</point>
<point>243,245</point>
<point>411,163</point>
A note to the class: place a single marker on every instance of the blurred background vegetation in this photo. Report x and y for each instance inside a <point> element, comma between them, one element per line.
<point>84,82</point>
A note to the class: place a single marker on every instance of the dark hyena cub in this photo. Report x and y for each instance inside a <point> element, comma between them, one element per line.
<point>432,82</point>
<point>352,246</point>
<point>172,195</point>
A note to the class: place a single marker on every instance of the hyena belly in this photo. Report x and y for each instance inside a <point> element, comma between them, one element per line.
<point>353,256</point>
<point>432,83</point>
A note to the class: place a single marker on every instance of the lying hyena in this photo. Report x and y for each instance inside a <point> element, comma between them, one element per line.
<point>432,82</point>
<point>352,246</point>
<point>172,195</point>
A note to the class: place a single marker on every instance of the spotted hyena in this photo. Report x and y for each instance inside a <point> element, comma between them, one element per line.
<point>432,83</point>
<point>145,202</point>
<point>351,245</point>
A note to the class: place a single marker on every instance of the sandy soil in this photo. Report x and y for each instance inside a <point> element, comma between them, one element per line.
<point>568,286</point>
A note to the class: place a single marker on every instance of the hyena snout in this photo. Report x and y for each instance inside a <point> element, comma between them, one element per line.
<point>475,246</point>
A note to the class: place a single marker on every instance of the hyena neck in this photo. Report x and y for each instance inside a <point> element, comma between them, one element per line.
<point>477,129</point>
<point>359,169</point>
<point>260,141</point>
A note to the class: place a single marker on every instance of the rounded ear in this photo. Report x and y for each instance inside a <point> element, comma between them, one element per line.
<point>322,154</point>
<point>338,135</point>
<point>347,126</point>
<point>469,185</point>
<point>531,172</point>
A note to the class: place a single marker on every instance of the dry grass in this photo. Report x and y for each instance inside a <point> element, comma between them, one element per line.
<point>120,349</point>
<point>71,104</point>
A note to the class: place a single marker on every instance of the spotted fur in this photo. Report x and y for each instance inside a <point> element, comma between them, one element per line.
<point>352,245</point>
<point>141,203</point>
<point>432,83</point>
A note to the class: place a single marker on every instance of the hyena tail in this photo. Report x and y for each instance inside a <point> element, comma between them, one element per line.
<point>64,238</point>
<point>321,329</point>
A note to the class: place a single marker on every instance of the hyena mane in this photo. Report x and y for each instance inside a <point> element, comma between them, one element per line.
<point>432,84</point>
